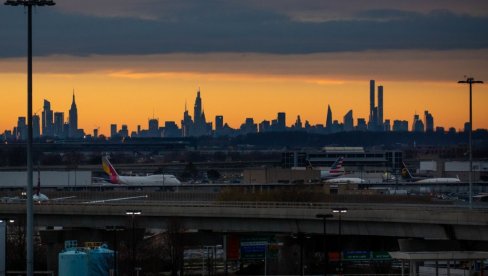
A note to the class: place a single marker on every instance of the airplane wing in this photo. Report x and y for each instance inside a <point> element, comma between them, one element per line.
<point>61,198</point>
<point>115,199</point>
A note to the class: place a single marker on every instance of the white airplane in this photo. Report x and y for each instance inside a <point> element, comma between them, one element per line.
<point>425,180</point>
<point>335,170</point>
<point>149,180</point>
<point>346,180</point>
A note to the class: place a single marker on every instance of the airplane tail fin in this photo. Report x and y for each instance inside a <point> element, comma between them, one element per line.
<point>109,169</point>
<point>337,165</point>
<point>405,172</point>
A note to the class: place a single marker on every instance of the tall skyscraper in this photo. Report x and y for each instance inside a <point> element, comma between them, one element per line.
<point>47,119</point>
<point>200,127</point>
<point>281,121</point>
<point>328,122</point>
<point>58,124</point>
<point>73,119</point>
<point>380,108</point>
<point>372,119</point>
<point>417,125</point>
<point>154,128</point>
<point>219,123</point>
<point>36,128</point>
<point>21,128</point>
<point>348,121</point>
<point>113,130</point>
<point>186,124</point>
<point>429,121</point>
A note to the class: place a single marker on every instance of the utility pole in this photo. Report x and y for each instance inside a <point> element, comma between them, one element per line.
<point>29,203</point>
<point>470,81</point>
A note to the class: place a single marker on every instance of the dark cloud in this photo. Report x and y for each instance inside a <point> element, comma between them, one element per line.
<point>215,26</point>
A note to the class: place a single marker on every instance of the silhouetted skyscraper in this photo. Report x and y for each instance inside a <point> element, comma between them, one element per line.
<point>328,122</point>
<point>417,125</point>
<point>281,121</point>
<point>429,121</point>
<point>153,128</point>
<point>113,130</point>
<point>47,119</point>
<point>348,123</point>
<point>36,128</point>
<point>21,128</point>
<point>58,124</point>
<point>219,123</point>
<point>380,107</point>
<point>73,119</point>
<point>372,119</point>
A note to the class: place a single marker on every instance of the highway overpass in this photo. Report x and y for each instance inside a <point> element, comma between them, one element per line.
<point>429,221</point>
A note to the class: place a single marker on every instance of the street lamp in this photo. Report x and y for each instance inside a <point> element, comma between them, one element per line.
<point>470,81</point>
<point>29,203</point>
<point>114,229</point>
<point>132,214</point>
<point>340,211</point>
<point>4,224</point>
<point>324,218</point>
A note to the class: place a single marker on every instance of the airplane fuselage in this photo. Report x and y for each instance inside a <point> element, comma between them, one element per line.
<point>150,180</point>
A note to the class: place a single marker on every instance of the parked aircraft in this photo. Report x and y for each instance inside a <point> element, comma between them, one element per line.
<point>335,170</point>
<point>345,180</point>
<point>149,180</point>
<point>417,179</point>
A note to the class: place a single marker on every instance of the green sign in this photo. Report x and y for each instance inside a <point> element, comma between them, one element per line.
<point>381,255</point>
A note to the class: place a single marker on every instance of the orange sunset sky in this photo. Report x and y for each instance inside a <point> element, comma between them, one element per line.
<point>130,62</point>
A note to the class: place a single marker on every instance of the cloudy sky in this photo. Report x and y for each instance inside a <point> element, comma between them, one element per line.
<point>250,58</point>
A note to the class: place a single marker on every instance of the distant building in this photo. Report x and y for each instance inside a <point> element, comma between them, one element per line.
<point>467,127</point>
<point>372,117</point>
<point>440,129</point>
<point>417,125</point>
<point>361,126</point>
<point>328,121</point>
<point>387,125</point>
<point>73,120</point>
<point>124,131</point>
<point>21,129</point>
<point>36,128</point>
<point>171,130</point>
<point>281,120</point>
<point>400,125</point>
<point>219,123</point>
<point>264,126</point>
<point>380,108</point>
<point>47,119</point>
<point>153,128</point>
<point>113,130</point>
<point>298,123</point>
<point>429,122</point>
<point>348,121</point>
<point>248,127</point>
<point>58,125</point>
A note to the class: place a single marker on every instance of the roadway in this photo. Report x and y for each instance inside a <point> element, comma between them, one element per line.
<point>430,221</point>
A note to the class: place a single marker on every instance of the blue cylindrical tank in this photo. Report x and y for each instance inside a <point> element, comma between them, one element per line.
<point>73,262</point>
<point>100,261</point>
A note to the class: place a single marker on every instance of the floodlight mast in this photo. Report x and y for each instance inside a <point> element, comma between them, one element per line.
<point>470,81</point>
<point>29,202</point>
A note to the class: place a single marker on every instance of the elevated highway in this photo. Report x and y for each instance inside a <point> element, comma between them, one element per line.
<point>430,221</point>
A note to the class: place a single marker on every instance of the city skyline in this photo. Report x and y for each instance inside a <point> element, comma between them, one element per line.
<point>197,124</point>
<point>252,59</point>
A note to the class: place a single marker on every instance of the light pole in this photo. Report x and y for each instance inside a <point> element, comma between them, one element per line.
<point>340,211</point>
<point>114,229</point>
<point>132,214</point>
<point>470,81</point>
<point>4,224</point>
<point>324,218</point>
<point>29,203</point>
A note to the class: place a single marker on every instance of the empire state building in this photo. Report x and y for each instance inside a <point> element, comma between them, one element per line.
<point>73,119</point>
